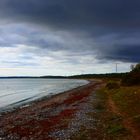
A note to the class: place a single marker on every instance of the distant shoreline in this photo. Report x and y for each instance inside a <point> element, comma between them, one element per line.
<point>81,76</point>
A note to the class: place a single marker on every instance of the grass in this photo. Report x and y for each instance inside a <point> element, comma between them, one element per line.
<point>99,107</point>
<point>136,120</point>
<point>112,123</point>
<point>127,100</point>
<point>115,129</point>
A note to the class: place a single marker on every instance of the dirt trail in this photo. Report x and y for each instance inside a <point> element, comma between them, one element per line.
<point>127,122</point>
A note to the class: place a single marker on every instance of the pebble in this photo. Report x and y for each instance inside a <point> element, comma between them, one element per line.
<point>80,119</point>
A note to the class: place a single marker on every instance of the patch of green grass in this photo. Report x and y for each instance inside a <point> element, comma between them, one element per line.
<point>114,126</point>
<point>115,129</point>
<point>127,99</point>
<point>99,107</point>
<point>112,85</point>
<point>136,120</point>
<point>101,94</point>
<point>83,134</point>
<point>115,118</point>
<point>112,123</point>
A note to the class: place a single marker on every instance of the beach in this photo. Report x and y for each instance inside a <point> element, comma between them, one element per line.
<point>88,112</point>
<point>15,92</point>
<point>57,117</point>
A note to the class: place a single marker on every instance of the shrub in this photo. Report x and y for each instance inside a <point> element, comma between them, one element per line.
<point>132,78</point>
<point>112,85</point>
<point>136,68</point>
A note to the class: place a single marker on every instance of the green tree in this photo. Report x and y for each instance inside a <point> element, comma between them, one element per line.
<point>133,77</point>
<point>136,68</point>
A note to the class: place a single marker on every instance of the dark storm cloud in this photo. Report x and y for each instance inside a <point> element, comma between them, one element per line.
<point>64,13</point>
<point>105,26</point>
<point>124,53</point>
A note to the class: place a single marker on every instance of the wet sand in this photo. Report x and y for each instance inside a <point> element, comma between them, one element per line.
<point>58,117</point>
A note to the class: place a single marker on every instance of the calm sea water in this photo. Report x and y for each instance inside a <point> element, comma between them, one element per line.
<point>18,91</point>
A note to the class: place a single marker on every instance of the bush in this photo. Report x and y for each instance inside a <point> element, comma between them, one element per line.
<point>112,85</point>
<point>132,78</point>
<point>136,68</point>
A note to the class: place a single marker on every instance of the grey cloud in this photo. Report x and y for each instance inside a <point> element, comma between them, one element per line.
<point>19,63</point>
<point>104,29</point>
<point>80,13</point>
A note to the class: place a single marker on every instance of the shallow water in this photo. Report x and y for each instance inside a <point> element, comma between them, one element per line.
<point>19,91</point>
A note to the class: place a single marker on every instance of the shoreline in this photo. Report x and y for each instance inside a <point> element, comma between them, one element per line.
<point>44,98</point>
<point>15,106</point>
<point>50,111</point>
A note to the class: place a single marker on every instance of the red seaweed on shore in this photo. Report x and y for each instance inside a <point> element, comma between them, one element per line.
<point>35,127</point>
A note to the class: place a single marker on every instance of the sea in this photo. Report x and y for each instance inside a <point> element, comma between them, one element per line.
<point>20,91</point>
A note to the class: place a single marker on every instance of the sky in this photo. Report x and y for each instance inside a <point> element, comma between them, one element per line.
<point>68,37</point>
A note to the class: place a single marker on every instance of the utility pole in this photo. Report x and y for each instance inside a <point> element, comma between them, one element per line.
<point>116,67</point>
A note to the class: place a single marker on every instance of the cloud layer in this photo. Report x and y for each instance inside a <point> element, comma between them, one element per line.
<point>69,33</point>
